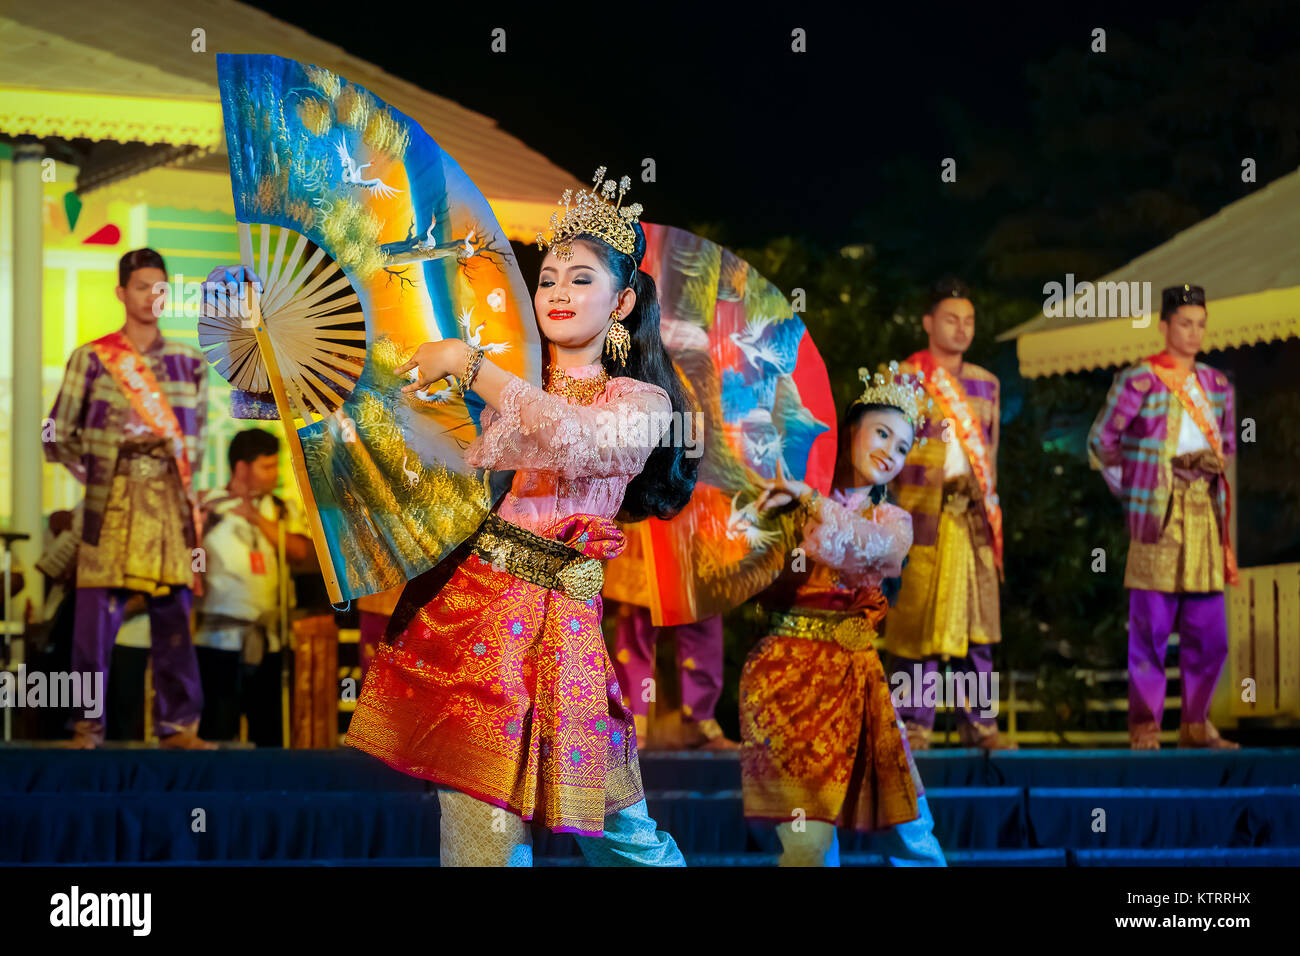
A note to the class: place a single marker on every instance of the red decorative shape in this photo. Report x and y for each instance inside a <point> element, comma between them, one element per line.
<point>109,235</point>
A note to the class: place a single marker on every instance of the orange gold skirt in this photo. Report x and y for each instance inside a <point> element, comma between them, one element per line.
<point>503,690</point>
<point>821,738</point>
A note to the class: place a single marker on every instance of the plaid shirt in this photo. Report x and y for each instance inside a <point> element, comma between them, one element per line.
<point>1137,430</point>
<point>91,413</point>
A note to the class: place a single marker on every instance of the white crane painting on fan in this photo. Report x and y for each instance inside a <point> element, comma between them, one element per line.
<point>759,450</point>
<point>440,397</point>
<point>743,523</point>
<point>412,477</point>
<point>467,244</point>
<point>768,442</point>
<point>473,336</point>
<point>409,250</point>
<point>748,341</point>
<point>352,173</point>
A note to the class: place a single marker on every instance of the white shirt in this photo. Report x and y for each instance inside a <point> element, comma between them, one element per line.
<point>232,584</point>
<point>1190,436</point>
<point>954,462</point>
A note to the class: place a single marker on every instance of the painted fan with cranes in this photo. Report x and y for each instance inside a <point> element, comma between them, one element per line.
<point>764,397</point>
<point>360,238</point>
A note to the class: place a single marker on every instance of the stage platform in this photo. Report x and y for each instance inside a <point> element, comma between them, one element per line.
<point>135,806</point>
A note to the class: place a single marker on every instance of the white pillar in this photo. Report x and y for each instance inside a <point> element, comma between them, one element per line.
<point>26,455</point>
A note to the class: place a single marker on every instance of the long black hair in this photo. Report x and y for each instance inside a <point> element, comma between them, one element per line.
<point>665,484</point>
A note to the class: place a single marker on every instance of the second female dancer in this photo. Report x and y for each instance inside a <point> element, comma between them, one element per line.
<point>823,746</point>
<point>497,685</point>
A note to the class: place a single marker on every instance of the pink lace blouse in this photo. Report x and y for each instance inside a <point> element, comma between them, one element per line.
<point>569,459</point>
<point>861,546</point>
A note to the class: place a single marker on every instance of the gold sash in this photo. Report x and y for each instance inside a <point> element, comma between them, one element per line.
<point>951,399</point>
<point>1197,406</point>
<point>134,377</point>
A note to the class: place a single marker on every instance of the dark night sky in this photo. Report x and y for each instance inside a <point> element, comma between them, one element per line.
<point>745,133</point>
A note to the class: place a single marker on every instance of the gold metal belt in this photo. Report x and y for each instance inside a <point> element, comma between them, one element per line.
<point>850,631</point>
<point>537,560</point>
<point>142,465</point>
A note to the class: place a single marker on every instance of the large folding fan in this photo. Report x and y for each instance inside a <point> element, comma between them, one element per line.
<point>371,241</point>
<point>765,398</point>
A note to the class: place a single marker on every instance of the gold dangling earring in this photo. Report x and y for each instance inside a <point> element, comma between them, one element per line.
<point>617,340</point>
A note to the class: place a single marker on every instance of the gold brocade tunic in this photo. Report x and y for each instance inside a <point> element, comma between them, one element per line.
<point>949,598</point>
<point>1189,555</point>
<point>143,543</point>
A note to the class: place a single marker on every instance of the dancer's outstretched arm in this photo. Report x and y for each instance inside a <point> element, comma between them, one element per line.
<point>535,430</point>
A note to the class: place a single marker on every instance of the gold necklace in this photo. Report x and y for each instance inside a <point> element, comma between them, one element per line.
<point>583,390</point>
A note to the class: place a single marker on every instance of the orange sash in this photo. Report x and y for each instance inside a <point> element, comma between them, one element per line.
<point>1197,406</point>
<point>136,380</point>
<point>951,399</point>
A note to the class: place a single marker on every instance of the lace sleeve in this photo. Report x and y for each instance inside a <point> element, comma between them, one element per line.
<point>859,547</point>
<point>536,431</point>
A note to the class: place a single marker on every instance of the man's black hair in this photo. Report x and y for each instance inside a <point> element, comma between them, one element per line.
<point>138,259</point>
<point>948,287</point>
<point>251,445</point>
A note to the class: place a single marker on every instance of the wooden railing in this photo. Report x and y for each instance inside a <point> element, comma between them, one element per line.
<point>1264,641</point>
<point>1112,700</point>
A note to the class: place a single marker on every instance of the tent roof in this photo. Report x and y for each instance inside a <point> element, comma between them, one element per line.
<point>1239,254</point>
<point>1247,246</point>
<point>104,47</point>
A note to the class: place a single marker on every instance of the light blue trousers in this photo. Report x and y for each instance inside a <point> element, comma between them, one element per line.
<point>906,844</point>
<point>475,833</point>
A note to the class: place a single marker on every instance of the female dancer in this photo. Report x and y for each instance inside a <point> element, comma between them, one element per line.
<point>822,743</point>
<point>500,689</point>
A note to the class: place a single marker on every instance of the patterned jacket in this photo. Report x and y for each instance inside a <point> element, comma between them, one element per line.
<point>1137,430</point>
<point>919,486</point>
<point>91,412</point>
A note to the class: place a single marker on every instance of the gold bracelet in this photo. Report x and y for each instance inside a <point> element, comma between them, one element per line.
<point>472,362</point>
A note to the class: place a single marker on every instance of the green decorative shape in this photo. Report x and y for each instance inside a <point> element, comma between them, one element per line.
<point>72,206</point>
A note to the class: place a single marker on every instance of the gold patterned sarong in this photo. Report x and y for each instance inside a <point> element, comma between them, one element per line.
<point>956,603</point>
<point>143,543</point>
<point>821,738</point>
<point>1189,555</point>
<point>501,687</point>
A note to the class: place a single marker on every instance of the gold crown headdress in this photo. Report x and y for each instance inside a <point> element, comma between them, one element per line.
<point>902,390</point>
<point>592,212</point>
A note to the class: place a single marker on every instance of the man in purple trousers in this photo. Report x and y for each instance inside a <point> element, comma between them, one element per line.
<point>1161,443</point>
<point>128,422</point>
<point>699,661</point>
